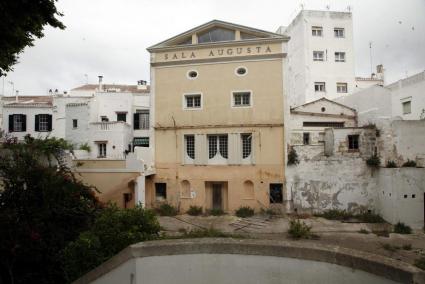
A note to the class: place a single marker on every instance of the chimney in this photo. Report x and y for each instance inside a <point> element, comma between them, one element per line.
<point>56,91</point>
<point>142,85</point>
<point>380,72</point>
<point>50,92</point>
<point>100,83</point>
<point>17,96</point>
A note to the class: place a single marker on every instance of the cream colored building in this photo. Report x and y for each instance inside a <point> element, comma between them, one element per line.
<point>218,114</point>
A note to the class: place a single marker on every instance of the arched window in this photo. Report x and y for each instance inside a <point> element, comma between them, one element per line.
<point>185,187</point>
<point>248,189</point>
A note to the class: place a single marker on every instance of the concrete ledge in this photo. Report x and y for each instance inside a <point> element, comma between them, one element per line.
<point>375,264</point>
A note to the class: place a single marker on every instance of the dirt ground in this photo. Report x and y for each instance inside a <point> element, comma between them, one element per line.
<point>405,248</point>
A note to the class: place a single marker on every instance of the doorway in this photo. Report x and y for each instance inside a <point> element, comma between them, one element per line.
<point>217,196</point>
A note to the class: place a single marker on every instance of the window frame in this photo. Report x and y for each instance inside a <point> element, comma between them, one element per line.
<point>306,138</point>
<point>318,58</point>
<point>350,145</point>
<point>320,84</point>
<point>186,146</point>
<point>218,143</point>
<point>186,95</point>
<point>190,71</point>
<point>141,145</point>
<point>102,153</point>
<point>74,123</point>
<point>315,29</point>
<point>45,123</point>
<point>232,99</point>
<point>336,32</point>
<point>340,53</point>
<point>141,113</point>
<point>16,123</point>
<point>241,75</point>
<point>340,85</point>
<point>249,135</point>
<point>410,107</point>
<point>163,194</point>
<point>118,113</point>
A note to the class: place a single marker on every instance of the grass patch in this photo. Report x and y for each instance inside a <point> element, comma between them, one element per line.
<point>299,230</point>
<point>420,262</point>
<point>194,210</point>
<point>204,233</point>
<point>401,228</point>
<point>364,231</point>
<point>166,209</point>
<point>216,212</point>
<point>244,212</point>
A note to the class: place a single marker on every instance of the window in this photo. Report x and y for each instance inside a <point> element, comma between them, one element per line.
<point>276,194</point>
<point>319,87</point>
<point>141,119</point>
<point>101,150</point>
<point>306,138</point>
<point>216,34</point>
<point>140,142</point>
<point>241,99</point>
<point>127,198</point>
<point>217,144</point>
<point>160,191</point>
<point>321,138</point>
<point>241,71</point>
<point>192,101</point>
<point>407,107</point>
<point>353,142</point>
<point>43,122</point>
<point>318,55</point>
<point>122,116</point>
<point>104,118</point>
<point>190,145</point>
<point>339,32</point>
<point>339,56</point>
<point>246,145</point>
<point>192,74</point>
<point>17,122</point>
<point>316,31</point>
<point>341,87</point>
<point>75,123</point>
<point>323,124</point>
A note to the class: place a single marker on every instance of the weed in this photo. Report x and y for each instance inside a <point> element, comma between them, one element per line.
<point>391,164</point>
<point>299,230</point>
<point>401,228</point>
<point>244,212</point>
<point>335,214</point>
<point>166,209</point>
<point>373,161</point>
<point>293,157</point>
<point>390,248</point>
<point>85,146</point>
<point>369,217</point>
<point>216,212</point>
<point>364,231</point>
<point>207,233</point>
<point>409,164</point>
<point>194,210</point>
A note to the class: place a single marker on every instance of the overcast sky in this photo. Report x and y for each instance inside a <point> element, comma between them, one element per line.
<point>110,37</point>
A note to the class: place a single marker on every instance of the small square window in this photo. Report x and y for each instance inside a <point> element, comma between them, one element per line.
<point>319,87</point>
<point>339,56</point>
<point>339,32</point>
<point>407,107</point>
<point>193,101</point>
<point>75,123</point>
<point>316,31</point>
<point>341,87</point>
<point>122,116</point>
<point>241,99</point>
<point>160,191</point>
<point>318,55</point>
<point>353,142</point>
<point>306,138</point>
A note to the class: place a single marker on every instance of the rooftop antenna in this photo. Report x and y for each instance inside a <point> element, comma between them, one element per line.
<point>370,54</point>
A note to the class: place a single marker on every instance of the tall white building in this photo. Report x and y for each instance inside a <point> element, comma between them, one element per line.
<point>320,56</point>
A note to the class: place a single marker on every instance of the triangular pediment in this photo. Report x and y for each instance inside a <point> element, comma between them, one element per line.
<point>324,105</point>
<point>215,32</point>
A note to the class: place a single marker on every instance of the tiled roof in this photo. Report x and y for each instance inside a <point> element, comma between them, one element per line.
<point>28,101</point>
<point>121,88</point>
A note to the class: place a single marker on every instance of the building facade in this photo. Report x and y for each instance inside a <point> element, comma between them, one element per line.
<point>220,144</point>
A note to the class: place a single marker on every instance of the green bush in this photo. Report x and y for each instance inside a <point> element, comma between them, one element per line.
<point>391,164</point>
<point>113,230</point>
<point>194,210</point>
<point>166,209</point>
<point>216,212</point>
<point>420,262</point>
<point>409,164</point>
<point>244,212</point>
<point>401,228</point>
<point>85,146</point>
<point>369,217</point>
<point>293,157</point>
<point>299,230</point>
<point>336,214</point>
<point>373,161</point>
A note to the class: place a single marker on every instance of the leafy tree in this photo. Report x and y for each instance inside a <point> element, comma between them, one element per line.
<point>113,230</point>
<point>42,208</point>
<point>21,22</point>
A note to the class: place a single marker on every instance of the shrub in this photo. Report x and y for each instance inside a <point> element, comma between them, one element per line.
<point>299,230</point>
<point>85,146</point>
<point>194,210</point>
<point>391,164</point>
<point>364,231</point>
<point>401,228</point>
<point>420,262</point>
<point>166,209</point>
<point>244,212</point>
<point>373,161</point>
<point>409,164</point>
<point>335,214</point>
<point>293,157</point>
<point>390,248</point>
<point>216,212</point>
<point>369,217</point>
<point>113,230</point>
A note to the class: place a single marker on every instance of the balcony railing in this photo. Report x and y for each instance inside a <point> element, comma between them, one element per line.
<point>110,126</point>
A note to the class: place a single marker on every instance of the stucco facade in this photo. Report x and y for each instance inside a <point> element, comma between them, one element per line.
<point>221,173</point>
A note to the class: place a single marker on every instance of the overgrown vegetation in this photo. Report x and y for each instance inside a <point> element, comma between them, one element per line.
<point>299,230</point>
<point>194,210</point>
<point>401,228</point>
<point>373,161</point>
<point>244,212</point>
<point>113,230</point>
<point>42,208</point>
<point>409,164</point>
<point>293,157</point>
<point>166,209</point>
<point>343,215</point>
<point>85,147</point>
<point>208,233</point>
<point>215,212</point>
<point>363,231</point>
<point>390,247</point>
<point>420,262</point>
<point>270,212</point>
<point>391,164</point>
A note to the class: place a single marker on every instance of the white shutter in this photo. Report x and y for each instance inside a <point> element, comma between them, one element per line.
<point>235,153</point>
<point>201,153</point>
